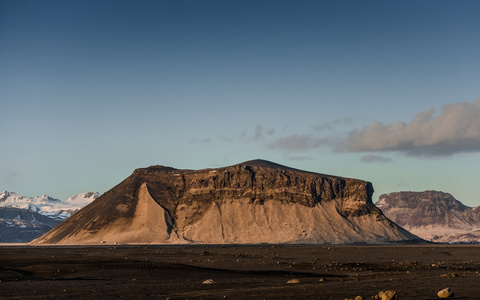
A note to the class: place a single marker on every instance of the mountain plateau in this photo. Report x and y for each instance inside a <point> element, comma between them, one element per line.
<point>248,203</point>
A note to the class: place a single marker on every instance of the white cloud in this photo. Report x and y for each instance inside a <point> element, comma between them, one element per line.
<point>456,129</point>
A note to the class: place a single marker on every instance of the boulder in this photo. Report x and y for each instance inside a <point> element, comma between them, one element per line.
<point>294,281</point>
<point>208,281</point>
<point>445,293</point>
<point>388,295</point>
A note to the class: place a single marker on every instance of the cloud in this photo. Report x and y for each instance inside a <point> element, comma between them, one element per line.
<point>299,158</point>
<point>333,125</point>
<point>455,130</point>
<point>371,158</point>
<point>260,133</point>
<point>206,140</point>
<point>226,139</point>
<point>298,143</point>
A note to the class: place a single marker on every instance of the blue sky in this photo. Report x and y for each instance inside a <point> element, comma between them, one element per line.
<point>384,91</point>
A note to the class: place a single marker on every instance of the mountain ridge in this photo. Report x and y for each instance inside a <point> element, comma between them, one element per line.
<point>23,219</point>
<point>46,205</point>
<point>251,202</point>
<point>432,215</point>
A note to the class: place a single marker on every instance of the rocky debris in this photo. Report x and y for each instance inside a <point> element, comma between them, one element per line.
<point>294,281</point>
<point>356,298</point>
<point>252,202</point>
<point>387,295</point>
<point>432,215</point>
<point>445,293</point>
<point>449,275</point>
<point>208,281</point>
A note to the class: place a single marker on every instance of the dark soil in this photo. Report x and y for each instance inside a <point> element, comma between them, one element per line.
<point>238,272</point>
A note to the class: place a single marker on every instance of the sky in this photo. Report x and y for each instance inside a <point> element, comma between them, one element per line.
<point>384,91</point>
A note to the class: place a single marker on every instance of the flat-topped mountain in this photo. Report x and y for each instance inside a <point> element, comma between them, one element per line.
<point>252,202</point>
<point>432,215</point>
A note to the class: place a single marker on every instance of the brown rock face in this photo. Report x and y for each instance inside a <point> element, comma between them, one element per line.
<point>252,202</point>
<point>432,215</point>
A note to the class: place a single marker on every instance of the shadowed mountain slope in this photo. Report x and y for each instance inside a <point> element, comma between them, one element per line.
<point>252,202</point>
<point>19,225</point>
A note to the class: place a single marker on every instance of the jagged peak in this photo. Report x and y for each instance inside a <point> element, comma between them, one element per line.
<point>7,193</point>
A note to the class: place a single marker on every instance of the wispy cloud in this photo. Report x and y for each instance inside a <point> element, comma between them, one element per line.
<point>299,157</point>
<point>259,133</point>
<point>206,140</point>
<point>455,130</point>
<point>372,158</point>
<point>333,125</point>
<point>299,142</point>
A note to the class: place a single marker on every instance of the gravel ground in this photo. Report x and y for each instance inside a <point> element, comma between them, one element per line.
<point>238,272</point>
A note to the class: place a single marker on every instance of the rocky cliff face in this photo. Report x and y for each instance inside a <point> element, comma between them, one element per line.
<point>432,215</point>
<point>252,202</point>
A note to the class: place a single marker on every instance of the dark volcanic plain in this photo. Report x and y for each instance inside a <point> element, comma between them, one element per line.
<point>238,272</point>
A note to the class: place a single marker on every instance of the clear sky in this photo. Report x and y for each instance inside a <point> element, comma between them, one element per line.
<point>385,91</point>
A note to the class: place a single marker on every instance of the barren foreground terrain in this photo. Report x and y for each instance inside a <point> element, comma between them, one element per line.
<point>238,272</point>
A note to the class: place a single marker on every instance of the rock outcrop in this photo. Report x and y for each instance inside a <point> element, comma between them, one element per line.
<point>432,215</point>
<point>252,202</point>
<point>445,293</point>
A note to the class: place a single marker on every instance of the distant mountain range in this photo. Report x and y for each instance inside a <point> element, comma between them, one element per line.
<point>23,219</point>
<point>432,215</point>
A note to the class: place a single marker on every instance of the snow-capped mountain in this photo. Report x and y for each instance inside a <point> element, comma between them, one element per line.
<point>23,219</point>
<point>48,206</point>
<point>82,199</point>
